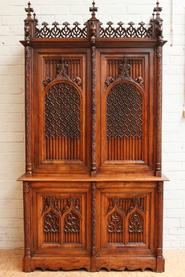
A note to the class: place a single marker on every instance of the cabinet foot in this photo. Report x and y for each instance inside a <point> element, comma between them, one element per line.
<point>160,264</point>
<point>27,264</point>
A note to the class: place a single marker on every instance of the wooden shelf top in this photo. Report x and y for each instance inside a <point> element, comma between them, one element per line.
<point>97,178</point>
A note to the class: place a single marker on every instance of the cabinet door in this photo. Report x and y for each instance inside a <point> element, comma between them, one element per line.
<point>126,221</point>
<point>125,106</point>
<point>61,111</point>
<point>61,217</point>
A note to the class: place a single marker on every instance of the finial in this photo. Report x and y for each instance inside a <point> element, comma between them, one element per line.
<point>29,10</point>
<point>35,19</point>
<point>93,10</point>
<point>157,9</point>
<point>124,68</point>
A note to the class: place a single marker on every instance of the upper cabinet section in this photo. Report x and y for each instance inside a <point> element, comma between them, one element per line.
<point>93,96</point>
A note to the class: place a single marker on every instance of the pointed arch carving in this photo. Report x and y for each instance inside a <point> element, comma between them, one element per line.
<point>115,223</point>
<point>135,226</point>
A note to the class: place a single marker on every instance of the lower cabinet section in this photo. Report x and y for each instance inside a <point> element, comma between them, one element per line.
<point>112,225</point>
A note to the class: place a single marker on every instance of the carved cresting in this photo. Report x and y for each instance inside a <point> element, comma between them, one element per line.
<point>132,30</point>
<point>125,216</point>
<point>61,219</point>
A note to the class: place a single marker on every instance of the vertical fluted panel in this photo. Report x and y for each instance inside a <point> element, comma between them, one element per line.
<point>124,149</point>
<point>61,148</point>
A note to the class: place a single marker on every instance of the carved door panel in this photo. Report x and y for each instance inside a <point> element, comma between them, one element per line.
<point>62,136</point>
<point>126,221</point>
<point>125,111</point>
<point>63,217</point>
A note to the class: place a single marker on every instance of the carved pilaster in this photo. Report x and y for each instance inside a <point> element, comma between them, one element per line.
<point>159,108</point>
<point>93,219</point>
<point>160,219</point>
<point>28,101</point>
<point>27,225</point>
<point>160,259</point>
<point>93,163</point>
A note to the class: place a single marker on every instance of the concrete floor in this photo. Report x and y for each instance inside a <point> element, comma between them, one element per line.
<point>11,266</point>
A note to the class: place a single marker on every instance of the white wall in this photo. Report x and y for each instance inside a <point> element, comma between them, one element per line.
<point>12,103</point>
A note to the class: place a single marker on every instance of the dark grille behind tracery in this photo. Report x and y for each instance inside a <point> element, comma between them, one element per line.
<point>124,123</point>
<point>62,122</point>
<point>124,112</point>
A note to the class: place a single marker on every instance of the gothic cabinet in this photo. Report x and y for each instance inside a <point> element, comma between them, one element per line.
<point>93,189</point>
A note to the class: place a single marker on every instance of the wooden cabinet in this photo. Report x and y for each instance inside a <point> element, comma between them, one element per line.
<point>93,188</point>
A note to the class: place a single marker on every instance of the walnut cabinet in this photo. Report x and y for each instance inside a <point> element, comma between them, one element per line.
<point>93,188</point>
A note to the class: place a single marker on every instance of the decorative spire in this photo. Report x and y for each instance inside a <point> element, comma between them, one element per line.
<point>93,10</point>
<point>29,11</point>
<point>62,69</point>
<point>157,10</point>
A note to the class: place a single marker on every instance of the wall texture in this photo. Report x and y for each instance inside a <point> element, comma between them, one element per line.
<point>12,103</point>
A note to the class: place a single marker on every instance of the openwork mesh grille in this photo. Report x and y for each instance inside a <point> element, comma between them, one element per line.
<point>124,112</point>
<point>62,111</point>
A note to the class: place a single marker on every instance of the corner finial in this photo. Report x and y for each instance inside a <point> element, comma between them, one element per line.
<point>157,10</point>
<point>29,10</point>
<point>93,10</point>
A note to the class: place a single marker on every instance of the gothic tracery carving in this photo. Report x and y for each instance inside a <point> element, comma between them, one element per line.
<point>56,208</point>
<point>71,223</point>
<point>51,222</point>
<point>115,224</point>
<point>135,223</point>
<point>123,211</point>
